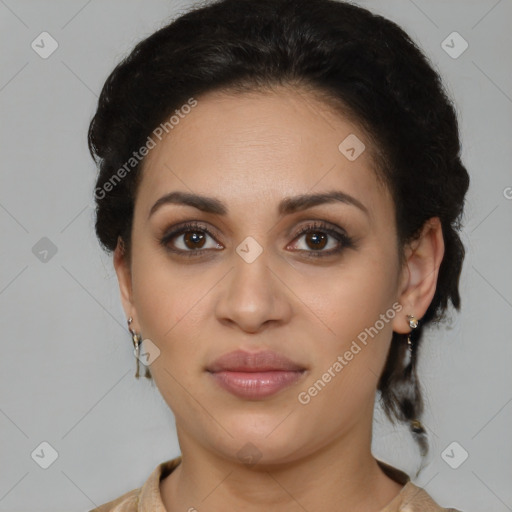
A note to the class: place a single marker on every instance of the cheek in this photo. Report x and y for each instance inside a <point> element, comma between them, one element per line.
<point>354,304</point>
<point>165,293</point>
<point>174,312</point>
<point>352,296</point>
<point>168,307</point>
<point>347,365</point>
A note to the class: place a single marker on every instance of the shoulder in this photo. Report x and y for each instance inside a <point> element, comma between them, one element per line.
<point>146,497</point>
<point>411,498</point>
<point>126,503</point>
<point>416,499</point>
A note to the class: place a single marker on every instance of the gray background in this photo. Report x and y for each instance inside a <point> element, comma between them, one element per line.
<point>67,372</point>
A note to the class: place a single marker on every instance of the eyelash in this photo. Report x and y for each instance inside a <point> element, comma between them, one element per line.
<point>345,241</point>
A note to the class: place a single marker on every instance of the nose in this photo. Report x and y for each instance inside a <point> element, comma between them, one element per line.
<point>253,295</point>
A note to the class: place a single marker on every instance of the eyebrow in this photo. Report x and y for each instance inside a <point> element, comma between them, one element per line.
<point>287,206</point>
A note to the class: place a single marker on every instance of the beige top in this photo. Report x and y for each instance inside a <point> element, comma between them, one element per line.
<point>148,499</point>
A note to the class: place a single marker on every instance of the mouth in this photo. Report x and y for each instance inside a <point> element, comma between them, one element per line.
<point>255,375</point>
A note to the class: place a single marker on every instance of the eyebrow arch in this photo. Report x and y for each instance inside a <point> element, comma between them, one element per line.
<point>287,206</point>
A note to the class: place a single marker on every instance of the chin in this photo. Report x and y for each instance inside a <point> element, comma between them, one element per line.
<point>258,444</point>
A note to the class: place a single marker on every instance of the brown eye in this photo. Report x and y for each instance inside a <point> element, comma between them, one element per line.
<point>189,239</point>
<point>319,239</point>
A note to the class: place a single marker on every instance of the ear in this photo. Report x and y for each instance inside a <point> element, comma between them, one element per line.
<point>124,278</point>
<point>418,281</point>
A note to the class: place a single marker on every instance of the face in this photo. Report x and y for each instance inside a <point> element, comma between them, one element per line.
<point>317,282</point>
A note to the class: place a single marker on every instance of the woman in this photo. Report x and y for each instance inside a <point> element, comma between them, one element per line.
<point>281,187</point>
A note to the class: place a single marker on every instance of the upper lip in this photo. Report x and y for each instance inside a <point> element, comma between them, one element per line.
<point>242,361</point>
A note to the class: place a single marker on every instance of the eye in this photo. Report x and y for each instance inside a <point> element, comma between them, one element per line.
<point>191,239</point>
<point>320,235</point>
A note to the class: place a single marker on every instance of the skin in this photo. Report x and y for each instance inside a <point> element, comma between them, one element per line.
<point>251,150</point>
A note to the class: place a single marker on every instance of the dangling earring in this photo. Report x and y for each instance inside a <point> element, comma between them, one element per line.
<point>414,424</point>
<point>137,340</point>
<point>413,323</point>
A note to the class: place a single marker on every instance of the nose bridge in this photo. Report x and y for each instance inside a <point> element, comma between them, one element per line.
<point>252,295</point>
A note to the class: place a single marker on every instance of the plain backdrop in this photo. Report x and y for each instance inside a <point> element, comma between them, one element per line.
<point>67,367</point>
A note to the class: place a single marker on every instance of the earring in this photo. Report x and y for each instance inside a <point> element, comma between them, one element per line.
<point>413,323</point>
<point>415,425</point>
<point>137,340</point>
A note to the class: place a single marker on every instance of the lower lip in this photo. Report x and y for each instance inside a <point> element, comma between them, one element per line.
<point>255,385</point>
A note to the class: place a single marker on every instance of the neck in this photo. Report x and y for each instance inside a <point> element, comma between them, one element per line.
<point>342,475</point>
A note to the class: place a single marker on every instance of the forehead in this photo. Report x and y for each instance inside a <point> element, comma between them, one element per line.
<point>255,148</point>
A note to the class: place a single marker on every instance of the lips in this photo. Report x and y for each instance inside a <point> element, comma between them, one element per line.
<point>241,361</point>
<point>254,375</point>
